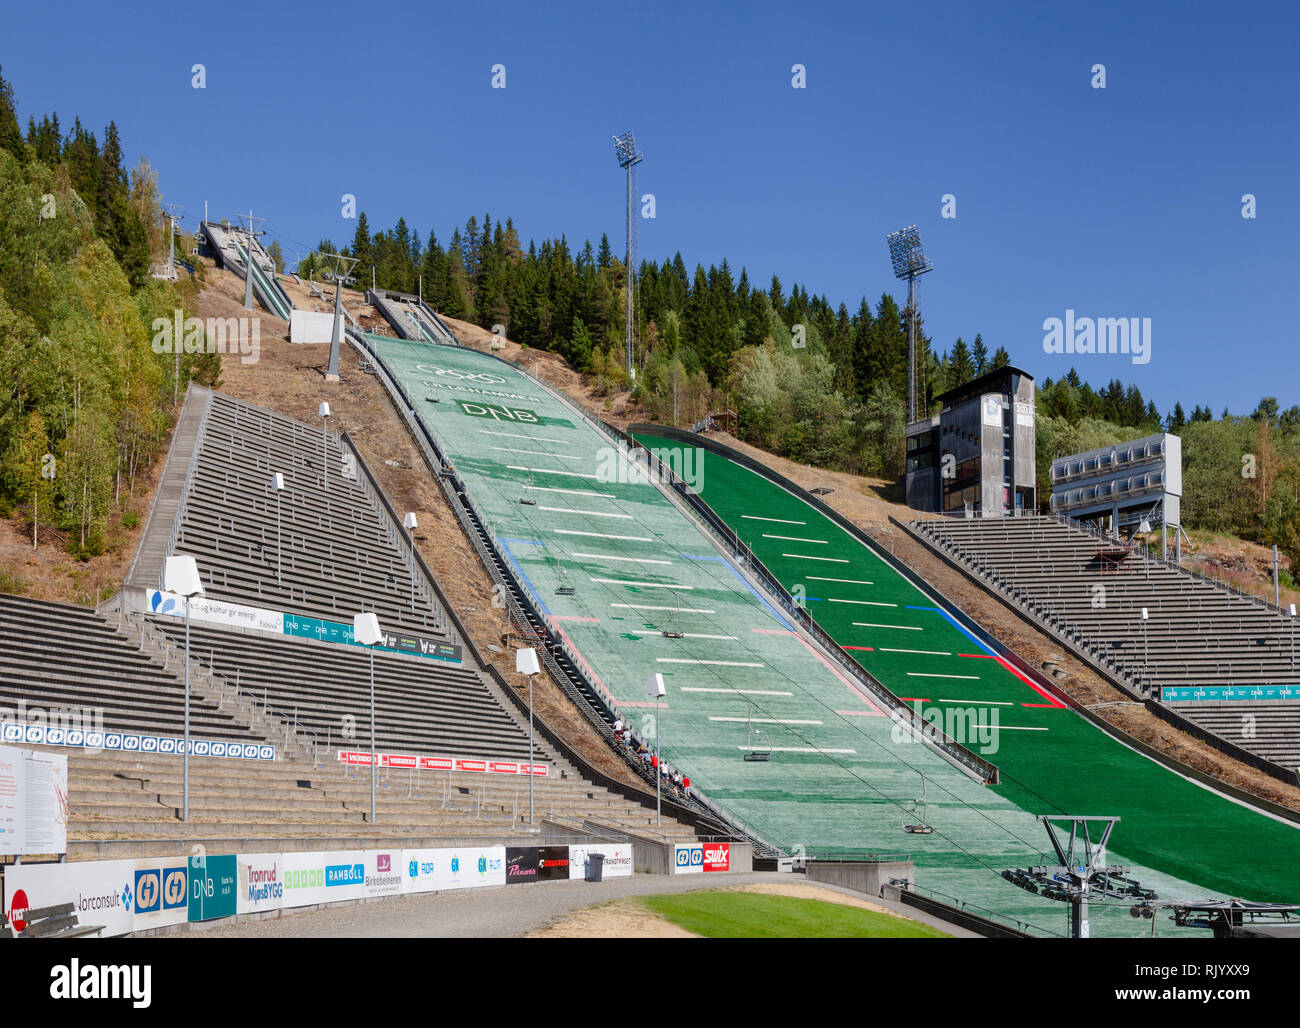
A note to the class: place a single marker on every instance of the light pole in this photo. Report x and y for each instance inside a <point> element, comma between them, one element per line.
<point>365,630</point>
<point>323,411</point>
<point>1145,674</point>
<point>1293,637</point>
<point>654,687</point>
<point>277,484</point>
<point>628,158</point>
<point>526,664</point>
<point>181,576</point>
<point>410,524</point>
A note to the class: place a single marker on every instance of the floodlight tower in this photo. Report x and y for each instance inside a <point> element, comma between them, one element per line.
<point>628,158</point>
<point>340,267</point>
<point>909,262</point>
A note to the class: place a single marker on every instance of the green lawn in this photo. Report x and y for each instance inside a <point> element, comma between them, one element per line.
<point>748,915</point>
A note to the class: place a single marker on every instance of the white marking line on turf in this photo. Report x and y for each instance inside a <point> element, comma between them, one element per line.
<point>768,720</point>
<point>648,585</point>
<point>795,539</point>
<point>688,635</point>
<point>932,653</point>
<point>797,749</point>
<point>712,663</point>
<point>589,513</point>
<point>552,471</point>
<point>864,603</point>
<point>530,438</point>
<point>901,628</point>
<point>538,453</point>
<point>610,556</point>
<point>783,521</point>
<point>805,556</point>
<point>646,606</point>
<point>742,692</point>
<point>848,581</point>
<point>570,492</point>
<point>603,535</point>
<point>926,674</point>
<point>1020,728</point>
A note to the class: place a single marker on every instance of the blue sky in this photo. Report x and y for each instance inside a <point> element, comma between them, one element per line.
<point>1115,202</point>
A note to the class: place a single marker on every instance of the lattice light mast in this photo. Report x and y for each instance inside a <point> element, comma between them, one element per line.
<point>628,158</point>
<point>340,274</point>
<point>909,260</point>
<point>250,226</point>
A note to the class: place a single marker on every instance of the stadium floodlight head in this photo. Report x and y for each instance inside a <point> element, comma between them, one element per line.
<point>365,629</point>
<point>323,411</point>
<point>654,686</point>
<point>409,522</point>
<point>626,151</point>
<point>1145,615</point>
<point>526,661</point>
<point>1145,527</point>
<point>181,577</point>
<point>909,261</point>
<point>277,482</point>
<point>906,253</point>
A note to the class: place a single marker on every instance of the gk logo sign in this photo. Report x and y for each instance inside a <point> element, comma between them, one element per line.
<point>160,889</point>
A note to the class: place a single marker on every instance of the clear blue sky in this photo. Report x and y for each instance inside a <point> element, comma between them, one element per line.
<point>1115,202</point>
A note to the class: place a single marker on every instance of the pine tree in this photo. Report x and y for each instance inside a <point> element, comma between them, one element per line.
<point>11,136</point>
<point>980,355</point>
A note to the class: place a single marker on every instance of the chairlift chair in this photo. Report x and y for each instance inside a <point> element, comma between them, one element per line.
<point>924,828</point>
<point>756,747</point>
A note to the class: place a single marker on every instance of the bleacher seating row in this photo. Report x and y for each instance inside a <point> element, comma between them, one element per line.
<point>341,552</point>
<point>1092,591</point>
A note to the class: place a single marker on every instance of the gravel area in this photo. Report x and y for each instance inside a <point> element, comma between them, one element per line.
<point>503,912</point>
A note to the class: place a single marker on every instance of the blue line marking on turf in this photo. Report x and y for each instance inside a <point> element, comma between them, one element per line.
<point>505,549</point>
<point>753,592</point>
<point>521,542</point>
<point>960,627</point>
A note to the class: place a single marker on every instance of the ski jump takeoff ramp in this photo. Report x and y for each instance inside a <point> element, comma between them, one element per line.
<point>642,589</point>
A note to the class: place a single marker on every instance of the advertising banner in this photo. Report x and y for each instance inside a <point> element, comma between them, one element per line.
<point>97,741</point>
<point>102,892</point>
<point>688,858</point>
<point>213,891</point>
<point>521,865</point>
<point>436,870</point>
<point>383,872</point>
<point>33,802</point>
<point>260,882</point>
<point>618,859</point>
<point>552,863</point>
<point>217,612</point>
<point>327,876</point>
<point>161,892</point>
<point>361,758</point>
<point>717,856</point>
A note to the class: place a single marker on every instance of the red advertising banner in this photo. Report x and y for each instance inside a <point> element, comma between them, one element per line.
<point>361,758</point>
<point>717,856</point>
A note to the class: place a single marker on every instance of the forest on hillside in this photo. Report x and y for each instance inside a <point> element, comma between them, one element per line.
<point>84,399</point>
<point>811,381</point>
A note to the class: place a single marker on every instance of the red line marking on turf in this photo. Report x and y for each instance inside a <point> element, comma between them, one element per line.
<point>1051,700</point>
<point>574,617</point>
<point>829,666</point>
<point>1050,706</point>
<point>857,647</point>
<point>855,713</point>
<point>985,656</point>
<point>578,653</point>
<point>640,703</point>
<point>915,699</point>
